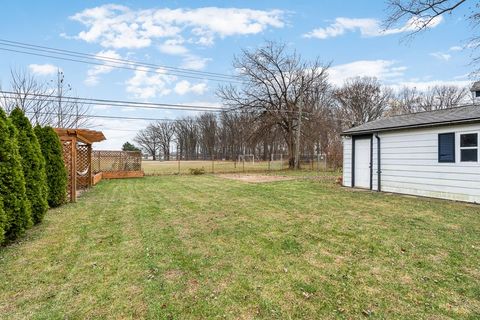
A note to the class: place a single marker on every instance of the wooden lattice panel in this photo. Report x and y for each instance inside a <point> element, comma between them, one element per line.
<point>67,159</point>
<point>111,161</point>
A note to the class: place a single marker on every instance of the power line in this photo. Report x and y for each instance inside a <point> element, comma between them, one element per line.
<point>118,67</point>
<point>112,103</point>
<point>131,104</point>
<point>135,67</point>
<point>117,60</point>
<point>103,116</point>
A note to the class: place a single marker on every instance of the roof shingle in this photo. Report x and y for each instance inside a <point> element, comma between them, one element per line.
<point>470,113</point>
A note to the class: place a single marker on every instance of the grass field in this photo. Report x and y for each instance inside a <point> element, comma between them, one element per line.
<point>218,166</point>
<point>183,247</point>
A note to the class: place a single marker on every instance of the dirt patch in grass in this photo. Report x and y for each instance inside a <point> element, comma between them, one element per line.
<point>254,178</point>
<point>173,275</point>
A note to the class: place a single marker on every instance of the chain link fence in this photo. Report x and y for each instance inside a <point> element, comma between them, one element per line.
<point>244,164</point>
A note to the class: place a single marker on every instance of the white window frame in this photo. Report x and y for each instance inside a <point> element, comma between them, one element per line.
<point>460,148</point>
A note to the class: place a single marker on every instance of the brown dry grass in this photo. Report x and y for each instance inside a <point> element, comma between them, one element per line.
<point>255,178</point>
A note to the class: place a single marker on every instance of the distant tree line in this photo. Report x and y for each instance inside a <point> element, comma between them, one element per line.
<point>280,92</point>
<point>226,136</point>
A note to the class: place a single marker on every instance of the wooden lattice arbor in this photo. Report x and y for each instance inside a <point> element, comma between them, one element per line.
<point>77,155</point>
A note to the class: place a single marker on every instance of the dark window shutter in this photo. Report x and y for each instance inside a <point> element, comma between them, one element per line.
<point>446,147</point>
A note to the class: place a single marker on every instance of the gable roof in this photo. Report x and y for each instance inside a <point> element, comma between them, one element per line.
<point>463,114</point>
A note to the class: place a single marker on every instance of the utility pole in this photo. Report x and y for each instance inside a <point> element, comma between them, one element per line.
<point>59,96</point>
<point>299,130</point>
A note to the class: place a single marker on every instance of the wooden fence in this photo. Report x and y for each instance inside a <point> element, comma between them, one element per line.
<point>117,164</point>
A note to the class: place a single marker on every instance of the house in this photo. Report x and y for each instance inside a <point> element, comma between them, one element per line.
<point>434,154</point>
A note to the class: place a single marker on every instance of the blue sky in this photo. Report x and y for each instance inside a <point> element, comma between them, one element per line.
<point>204,35</point>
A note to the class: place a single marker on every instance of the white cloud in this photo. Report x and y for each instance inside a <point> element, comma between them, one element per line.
<point>189,60</point>
<point>385,70</point>
<point>116,132</point>
<point>462,76</point>
<point>390,73</point>
<point>194,62</point>
<point>43,69</point>
<point>425,85</point>
<point>146,85</point>
<point>173,47</point>
<point>184,87</point>
<point>93,73</point>
<point>441,56</point>
<point>368,27</point>
<point>116,26</point>
<point>456,48</point>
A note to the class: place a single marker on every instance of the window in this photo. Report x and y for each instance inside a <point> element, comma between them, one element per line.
<point>469,147</point>
<point>446,147</point>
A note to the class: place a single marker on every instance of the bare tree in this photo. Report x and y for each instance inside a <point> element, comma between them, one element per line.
<point>207,129</point>
<point>68,111</point>
<point>45,103</point>
<point>275,83</point>
<point>148,140</point>
<point>442,97</point>
<point>234,133</point>
<point>419,15</point>
<point>30,95</point>
<point>362,99</point>
<point>409,100</point>
<point>165,132</point>
<point>186,131</point>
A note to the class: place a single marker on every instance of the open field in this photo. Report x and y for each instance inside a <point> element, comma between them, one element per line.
<point>183,247</point>
<point>218,166</point>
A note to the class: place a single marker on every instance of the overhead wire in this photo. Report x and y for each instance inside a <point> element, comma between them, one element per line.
<point>96,56</point>
<point>107,62</point>
<point>101,116</point>
<point>111,102</point>
<point>131,104</point>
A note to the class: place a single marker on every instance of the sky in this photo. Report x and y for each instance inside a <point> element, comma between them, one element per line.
<point>206,35</point>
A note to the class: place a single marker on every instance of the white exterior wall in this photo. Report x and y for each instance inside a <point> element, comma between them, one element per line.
<point>409,164</point>
<point>374,164</point>
<point>347,161</point>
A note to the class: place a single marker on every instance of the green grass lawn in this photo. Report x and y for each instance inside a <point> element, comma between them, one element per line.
<point>182,247</point>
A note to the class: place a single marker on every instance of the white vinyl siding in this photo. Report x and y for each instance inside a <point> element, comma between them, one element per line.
<point>347,161</point>
<point>374,163</point>
<point>409,161</point>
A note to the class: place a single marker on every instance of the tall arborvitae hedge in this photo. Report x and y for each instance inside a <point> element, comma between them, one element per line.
<point>12,182</point>
<point>3,220</point>
<point>33,165</point>
<point>54,166</point>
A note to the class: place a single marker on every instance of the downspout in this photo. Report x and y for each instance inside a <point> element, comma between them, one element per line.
<point>379,166</point>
